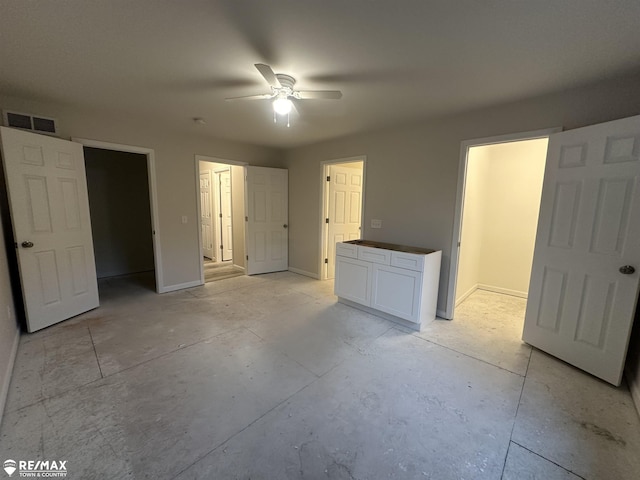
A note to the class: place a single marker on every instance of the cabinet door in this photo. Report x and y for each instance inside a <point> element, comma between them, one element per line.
<point>353,280</point>
<point>397,291</point>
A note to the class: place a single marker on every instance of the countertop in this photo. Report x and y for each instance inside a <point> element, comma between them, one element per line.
<point>391,246</point>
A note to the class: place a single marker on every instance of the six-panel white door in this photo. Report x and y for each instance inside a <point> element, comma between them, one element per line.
<point>344,210</point>
<point>584,280</point>
<point>47,189</point>
<point>206,215</point>
<point>267,213</point>
<point>225,216</point>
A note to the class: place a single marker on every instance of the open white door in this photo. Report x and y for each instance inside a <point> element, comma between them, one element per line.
<point>206,215</point>
<point>344,210</point>
<point>584,280</point>
<point>47,189</point>
<point>225,216</point>
<point>267,213</point>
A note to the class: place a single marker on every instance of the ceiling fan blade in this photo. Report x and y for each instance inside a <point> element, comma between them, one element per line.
<point>269,76</point>
<point>264,96</point>
<point>319,94</point>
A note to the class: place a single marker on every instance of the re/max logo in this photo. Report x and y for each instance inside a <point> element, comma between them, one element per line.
<point>42,465</point>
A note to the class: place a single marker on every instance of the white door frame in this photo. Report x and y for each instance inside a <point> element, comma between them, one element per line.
<point>206,158</point>
<point>324,192</point>
<point>153,197</point>
<point>465,145</point>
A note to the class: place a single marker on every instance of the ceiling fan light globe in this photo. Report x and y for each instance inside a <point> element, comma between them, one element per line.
<point>282,106</point>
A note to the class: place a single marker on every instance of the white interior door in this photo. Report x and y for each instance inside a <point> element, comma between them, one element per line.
<point>343,210</point>
<point>206,215</point>
<point>225,216</point>
<point>267,213</point>
<point>584,281</point>
<point>47,189</point>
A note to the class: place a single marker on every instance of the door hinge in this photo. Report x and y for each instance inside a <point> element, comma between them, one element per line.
<point>220,215</point>
<point>221,247</point>
<point>326,220</point>
<point>246,219</point>
<point>326,260</point>
<point>247,257</point>
<point>328,178</point>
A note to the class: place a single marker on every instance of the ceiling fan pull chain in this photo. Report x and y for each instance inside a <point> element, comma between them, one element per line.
<point>274,117</point>
<point>288,121</point>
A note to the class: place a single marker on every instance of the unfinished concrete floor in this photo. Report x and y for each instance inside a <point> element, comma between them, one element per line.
<point>268,378</point>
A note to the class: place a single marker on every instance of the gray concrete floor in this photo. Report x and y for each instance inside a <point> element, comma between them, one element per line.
<point>267,377</point>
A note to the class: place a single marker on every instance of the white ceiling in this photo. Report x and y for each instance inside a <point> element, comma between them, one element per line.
<point>395,61</point>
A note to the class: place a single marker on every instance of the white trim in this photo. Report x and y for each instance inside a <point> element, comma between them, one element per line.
<point>441,314</point>
<point>4,392</point>
<point>181,286</point>
<point>466,294</point>
<point>324,165</point>
<point>457,222</point>
<point>305,273</point>
<point>206,158</point>
<point>240,267</point>
<point>503,291</point>
<point>153,196</point>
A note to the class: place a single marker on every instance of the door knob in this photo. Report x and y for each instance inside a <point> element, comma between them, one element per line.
<point>27,244</point>
<point>627,269</point>
<point>285,225</point>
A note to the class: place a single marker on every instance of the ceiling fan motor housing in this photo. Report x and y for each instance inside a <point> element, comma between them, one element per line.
<point>287,82</point>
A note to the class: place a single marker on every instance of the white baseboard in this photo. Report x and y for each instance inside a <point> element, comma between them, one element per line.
<point>466,294</point>
<point>4,388</point>
<point>504,291</point>
<point>240,267</point>
<point>442,314</point>
<point>304,272</point>
<point>180,286</point>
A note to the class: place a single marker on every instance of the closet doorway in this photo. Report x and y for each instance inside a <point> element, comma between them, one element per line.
<point>497,216</point>
<point>221,217</point>
<point>342,207</point>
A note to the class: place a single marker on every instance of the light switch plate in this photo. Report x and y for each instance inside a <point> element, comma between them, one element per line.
<point>376,223</point>
<point>184,219</point>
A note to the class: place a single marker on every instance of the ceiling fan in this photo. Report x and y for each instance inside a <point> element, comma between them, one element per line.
<point>282,92</point>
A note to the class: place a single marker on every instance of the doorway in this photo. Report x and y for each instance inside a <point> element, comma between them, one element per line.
<point>497,214</point>
<point>221,207</point>
<point>123,206</point>
<point>342,207</point>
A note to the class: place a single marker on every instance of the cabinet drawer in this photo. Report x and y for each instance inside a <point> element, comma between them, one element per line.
<point>374,255</point>
<point>410,261</point>
<point>347,250</point>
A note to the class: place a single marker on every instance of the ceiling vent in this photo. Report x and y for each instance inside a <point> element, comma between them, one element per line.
<point>35,123</point>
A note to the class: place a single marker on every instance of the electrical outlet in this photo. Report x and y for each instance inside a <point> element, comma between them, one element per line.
<point>376,223</point>
<point>184,219</point>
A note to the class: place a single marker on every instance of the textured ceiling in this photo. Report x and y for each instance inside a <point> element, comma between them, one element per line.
<point>395,61</point>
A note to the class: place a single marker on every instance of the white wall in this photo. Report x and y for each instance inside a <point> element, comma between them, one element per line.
<point>500,217</point>
<point>120,211</point>
<point>175,171</point>
<point>471,233</point>
<point>412,170</point>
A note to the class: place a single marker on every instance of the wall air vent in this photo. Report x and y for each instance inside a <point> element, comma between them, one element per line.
<point>35,123</point>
